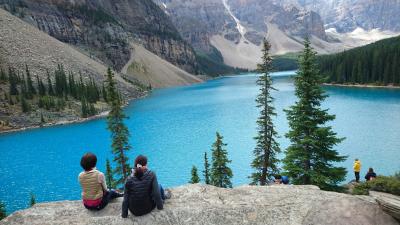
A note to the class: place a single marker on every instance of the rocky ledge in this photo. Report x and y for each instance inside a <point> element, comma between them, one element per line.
<point>203,204</point>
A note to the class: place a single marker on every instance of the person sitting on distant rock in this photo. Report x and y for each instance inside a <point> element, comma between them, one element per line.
<point>370,175</point>
<point>285,180</point>
<point>278,179</point>
<point>142,191</point>
<point>95,194</point>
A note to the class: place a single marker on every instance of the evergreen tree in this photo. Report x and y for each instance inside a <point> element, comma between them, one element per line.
<point>265,161</point>
<point>104,92</point>
<point>30,88</point>
<point>42,121</point>
<point>119,132</point>
<point>13,81</point>
<point>32,200</point>
<point>221,174</point>
<point>84,108</point>
<point>3,76</point>
<point>195,177</point>
<point>3,213</point>
<point>206,171</point>
<point>49,84</point>
<point>310,157</point>
<point>41,87</point>
<point>24,104</point>
<point>109,175</point>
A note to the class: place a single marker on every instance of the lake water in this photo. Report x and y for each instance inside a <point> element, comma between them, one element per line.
<point>175,126</point>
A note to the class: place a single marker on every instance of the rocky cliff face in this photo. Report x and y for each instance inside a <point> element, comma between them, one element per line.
<point>197,21</point>
<point>104,27</point>
<point>291,19</point>
<point>347,15</point>
<point>202,204</point>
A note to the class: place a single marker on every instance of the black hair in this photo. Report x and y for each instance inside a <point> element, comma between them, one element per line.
<point>88,161</point>
<point>142,161</point>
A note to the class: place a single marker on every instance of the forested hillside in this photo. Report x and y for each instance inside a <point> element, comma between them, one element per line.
<point>377,63</point>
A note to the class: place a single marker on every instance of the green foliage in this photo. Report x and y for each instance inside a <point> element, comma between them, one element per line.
<point>32,200</point>
<point>29,83</point>
<point>47,102</point>
<point>388,184</point>
<point>206,171</point>
<point>285,62</point>
<point>310,157</point>
<point>119,132</point>
<point>3,76</point>
<point>212,64</point>
<point>265,160</point>
<point>221,174</point>
<point>13,80</point>
<point>3,213</point>
<point>377,63</point>
<point>24,104</point>
<point>195,177</point>
<point>109,175</point>
<point>54,97</point>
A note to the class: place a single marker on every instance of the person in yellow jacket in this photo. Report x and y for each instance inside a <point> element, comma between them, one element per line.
<point>357,169</point>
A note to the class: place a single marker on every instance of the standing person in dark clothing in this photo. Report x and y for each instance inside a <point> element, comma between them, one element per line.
<point>370,175</point>
<point>142,191</point>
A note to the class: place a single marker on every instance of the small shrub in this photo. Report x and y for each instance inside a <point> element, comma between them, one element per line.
<point>388,184</point>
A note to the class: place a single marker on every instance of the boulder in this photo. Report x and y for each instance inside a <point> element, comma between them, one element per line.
<point>388,202</point>
<point>204,204</point>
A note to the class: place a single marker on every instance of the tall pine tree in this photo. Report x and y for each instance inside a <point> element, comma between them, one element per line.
<point>310,157</point>
<point>206,171</point>
<point>119,132</point>
<point>265,160</point>
<point>109,175</point>
<point>221,174</point>
<point>195,177</point>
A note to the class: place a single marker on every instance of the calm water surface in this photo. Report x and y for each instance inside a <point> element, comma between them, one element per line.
<point>175,126</point>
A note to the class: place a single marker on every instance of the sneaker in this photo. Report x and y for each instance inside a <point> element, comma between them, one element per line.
<point>167,194</point>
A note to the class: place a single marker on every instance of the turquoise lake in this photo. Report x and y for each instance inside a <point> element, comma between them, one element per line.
<point>175,126</point>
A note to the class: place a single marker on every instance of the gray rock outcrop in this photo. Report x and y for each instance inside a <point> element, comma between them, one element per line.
<point>203,204</point>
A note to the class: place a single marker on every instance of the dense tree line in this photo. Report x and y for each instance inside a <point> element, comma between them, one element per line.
<point>377,63</point>
<point>53,93</point>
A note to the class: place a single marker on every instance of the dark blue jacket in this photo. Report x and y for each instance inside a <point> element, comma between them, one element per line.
<point>141,195</point>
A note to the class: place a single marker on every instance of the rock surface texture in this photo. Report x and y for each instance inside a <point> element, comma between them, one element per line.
<point>202,204</point>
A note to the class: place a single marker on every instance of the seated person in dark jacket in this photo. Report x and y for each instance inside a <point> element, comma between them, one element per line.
<point>142,191</point>
<point>370,175</point>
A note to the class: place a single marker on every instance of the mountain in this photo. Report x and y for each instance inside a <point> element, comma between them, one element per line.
<point>377,63</point>
<point>234,29</point>
<point>105,28</point>
<point>347,15</point>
